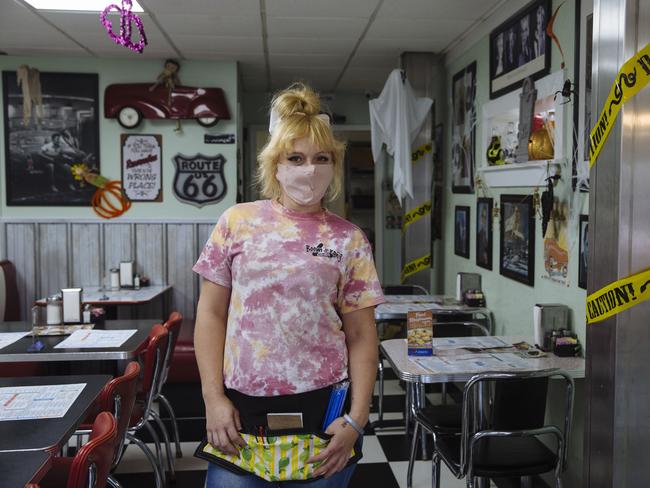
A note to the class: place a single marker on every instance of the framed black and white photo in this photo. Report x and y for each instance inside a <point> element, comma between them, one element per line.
<point>517,249</point>
<point>584,251</point>
<point>463,130</point>
<point>51,125</point>
<point>142,167</point>
<point>461,231</point>
<point>484,232</point>
<point>520,48</point>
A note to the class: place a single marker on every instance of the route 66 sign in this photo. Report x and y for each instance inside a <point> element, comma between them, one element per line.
<point>199,179</point>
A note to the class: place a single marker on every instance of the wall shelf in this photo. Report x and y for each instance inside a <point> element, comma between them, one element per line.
<point>531,173</point>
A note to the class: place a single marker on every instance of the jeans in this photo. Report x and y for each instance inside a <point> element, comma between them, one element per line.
<point>219,477</point>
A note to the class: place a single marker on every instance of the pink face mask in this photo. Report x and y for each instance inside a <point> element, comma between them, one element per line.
<point>305,184</point>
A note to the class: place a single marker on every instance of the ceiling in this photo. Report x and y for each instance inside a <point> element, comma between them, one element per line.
<point>335,45</point>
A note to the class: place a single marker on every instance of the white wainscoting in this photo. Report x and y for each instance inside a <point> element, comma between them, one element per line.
<point>54,254</point>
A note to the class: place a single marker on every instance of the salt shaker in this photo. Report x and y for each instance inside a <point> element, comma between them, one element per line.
<point>54,310</point>
<point>86,313</point>
<point>136,282</point>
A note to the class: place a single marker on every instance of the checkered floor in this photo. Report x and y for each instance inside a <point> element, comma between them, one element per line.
<point>385,452</point>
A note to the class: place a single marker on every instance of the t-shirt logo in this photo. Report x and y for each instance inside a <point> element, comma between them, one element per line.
<point>320,250</point>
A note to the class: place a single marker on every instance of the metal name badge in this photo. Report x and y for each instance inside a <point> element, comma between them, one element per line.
<point>526,112</point>
<point>199,179</point>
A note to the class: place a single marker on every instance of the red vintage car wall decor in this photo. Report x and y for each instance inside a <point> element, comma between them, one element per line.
<point>129,103</point>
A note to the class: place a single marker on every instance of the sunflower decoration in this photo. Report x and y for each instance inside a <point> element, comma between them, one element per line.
<point>109,200</point>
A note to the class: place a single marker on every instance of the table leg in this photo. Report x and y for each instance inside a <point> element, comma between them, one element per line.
<point>421,403</point>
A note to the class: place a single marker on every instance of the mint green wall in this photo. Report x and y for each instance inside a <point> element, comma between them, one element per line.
<point>512,302</point>
<point>189,142</point>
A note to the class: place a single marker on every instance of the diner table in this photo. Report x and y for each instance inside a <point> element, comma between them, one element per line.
<point>17,352</point>
<point>49,434</point>
<point>20,468</point>
<point>95,295</point>
<point>452,363</point>
<point>396,307</point>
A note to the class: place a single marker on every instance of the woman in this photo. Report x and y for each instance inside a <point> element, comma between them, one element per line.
<point>286,307</point>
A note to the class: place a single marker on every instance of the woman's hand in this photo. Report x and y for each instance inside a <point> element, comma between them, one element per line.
<point>223,425</point>
<point>337,453</point>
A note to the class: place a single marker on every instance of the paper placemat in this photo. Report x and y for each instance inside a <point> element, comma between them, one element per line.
<point>85,339</point>
<point>38,401</point>
<point>8,338</point>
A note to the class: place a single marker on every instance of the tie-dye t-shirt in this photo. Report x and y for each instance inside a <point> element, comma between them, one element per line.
<point>292,276</point>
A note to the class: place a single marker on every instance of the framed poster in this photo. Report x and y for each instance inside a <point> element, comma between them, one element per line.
<point>142,167</point>
<point>517,250</point>
<point>520,48</point>
<point>582,115</point>
<point>584,251</point>
<point>484,232</point>
<point>463,130</point>
<point>51,125</point>
<point>461,231</point>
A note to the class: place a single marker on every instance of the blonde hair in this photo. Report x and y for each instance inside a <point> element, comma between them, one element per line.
<point>297,108</point>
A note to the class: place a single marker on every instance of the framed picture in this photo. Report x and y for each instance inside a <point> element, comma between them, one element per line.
<point>51,124</point>
<point>584,251</point>
<point>484,232</point>
<point>437,154</point>
<point>463,130</point>
<point>517,252</point>
<point>142,167</point>
<point>520,48</point>
<point>582,116</point>
<point>461,231</point>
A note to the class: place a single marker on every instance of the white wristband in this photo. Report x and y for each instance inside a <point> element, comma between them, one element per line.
<point>353,423</point>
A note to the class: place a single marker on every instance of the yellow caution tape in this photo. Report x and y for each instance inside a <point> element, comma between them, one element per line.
<point>618,296</point>
<point>629,81</point>
<point>416,214</point>
<point>416,265</point>
<point>421,151</point>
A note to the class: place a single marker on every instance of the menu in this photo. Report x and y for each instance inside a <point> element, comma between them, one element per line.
<point>38,401</point>
<point>8,338</point>
<point>84,339</point>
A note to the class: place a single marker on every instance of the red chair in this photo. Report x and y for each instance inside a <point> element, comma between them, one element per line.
<point>173,326</point>
<point>153,360</point>
<point>117,396</point>
<point>92,463</point>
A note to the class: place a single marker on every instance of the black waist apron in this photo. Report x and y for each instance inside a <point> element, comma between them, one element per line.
<point>278,455</point>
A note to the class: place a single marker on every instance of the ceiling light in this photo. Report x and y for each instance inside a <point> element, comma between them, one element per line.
<point>78,5</point>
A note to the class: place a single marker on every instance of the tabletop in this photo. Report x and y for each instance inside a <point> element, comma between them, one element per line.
<point>129,350</point>
<point>407,369</point>
<point>19,468</point>
<point>125,296</point>
<point>49,434</point>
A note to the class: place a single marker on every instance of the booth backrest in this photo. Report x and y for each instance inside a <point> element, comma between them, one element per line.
<point>9,300</point>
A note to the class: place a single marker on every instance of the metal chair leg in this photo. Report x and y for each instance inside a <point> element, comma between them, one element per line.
<point>112,482</point>
<point>435,470</point>
<point>380,399</point>
<point>159,454</point>
<point>168,446</point>
<point>172,416</point>
<point>150,457</point>
<point>414,443</point>
<point>421,403</point>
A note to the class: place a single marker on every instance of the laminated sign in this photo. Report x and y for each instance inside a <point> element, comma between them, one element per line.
<point>199,179</point>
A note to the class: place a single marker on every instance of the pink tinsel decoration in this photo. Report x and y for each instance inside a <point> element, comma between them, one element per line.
<point>126,17</point>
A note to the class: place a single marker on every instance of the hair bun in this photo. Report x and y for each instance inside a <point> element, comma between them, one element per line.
<point>298,99</point>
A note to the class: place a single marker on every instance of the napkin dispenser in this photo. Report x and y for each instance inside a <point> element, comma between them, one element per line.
<point>466,282</point>
<point>548,317</point>
<point>72,305</point>
<point>126,274</point>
